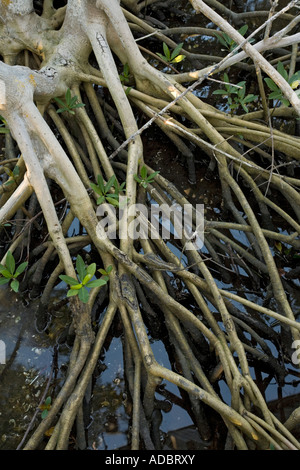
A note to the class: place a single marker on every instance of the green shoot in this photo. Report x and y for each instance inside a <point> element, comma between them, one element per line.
<point>13,174</point>
<point>293,81</point>
<point>104,190</point>
<point>172,57</point>
<point>3,126</point>
<point>236,94</point>
<point>125,78</point>
<point>226,40</point>
<point>45,407</point>
<point>125,75</point>
<point>84,280</point>
<point>69,104</point>
<point>143,179</point>
<point>10,273</point>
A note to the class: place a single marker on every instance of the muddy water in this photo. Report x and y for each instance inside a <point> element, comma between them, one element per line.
<point>27,362</point>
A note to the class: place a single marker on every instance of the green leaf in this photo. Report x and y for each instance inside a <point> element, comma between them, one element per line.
<point>250,98</point>
<point>294,77</point>
<point>44,414</point>
<point>127,91</point>
<point>110,183</point>
<point>68,280</point>
<point>228,39</point>
<point>73,101</point>
<point>60,102</point>
<point>166,51</point>
<point>144,172</point>
<point>68,96</point>
<point>80,267</point>
<point>10,262</point>
<point>86,279</point>
<point>178,59</point>
<point>91,269</point>
<point>16,171</point>
<point>271,84</point>
<point>282,71</point>
<point>5,272</point>
<point>165,59</point>
<point>21,268</point>
<point>221,39</point>
<point>15,285</point>
<point>96,189</point>
<point>152,176</point>
<point>4,130</point>
<point>176,51</point>
<point>226,78</point>
<point>4,280</point>
<point>96,283</point>
<point>101,183</point>
<point>83,295</point>
<point>48,401</point>
<point>73,292</point>
<point>243,30</point>
<point>219,92</point>
<point>112,201</point>
<point>100,200</point>
<point>78,105</point>
<point>275,95</point>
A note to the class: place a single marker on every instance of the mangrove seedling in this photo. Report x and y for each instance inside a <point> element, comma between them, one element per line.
<point>236,94</point>
<point>229,43</point>
<point>104,190</point>
<point>293,81</point>
<point>143,179</point>
<point>45,407</point>
<point>3,126</point>
<point>13,174</point>
<point>69,104</point>
<point>10,273</point>
<point>172,57</point>
<point>125,75</point>
<point>84,280</point>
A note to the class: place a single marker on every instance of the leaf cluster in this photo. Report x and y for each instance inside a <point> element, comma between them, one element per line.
<point>104,190</point>
<point>13,174</point>
<point>145,179</point>
<point>45,407</point>
<point>3,126</point>
<point>293,81</point>
<point>236,94</point>
<point>125,77</point>
<point>9,272</point>
<point>172,57</point>
<point>84,279</point>
<point>69,104</point>
<point>229,43</point>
